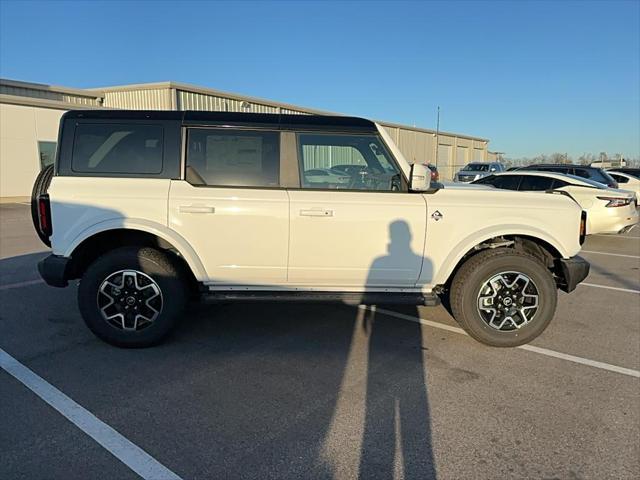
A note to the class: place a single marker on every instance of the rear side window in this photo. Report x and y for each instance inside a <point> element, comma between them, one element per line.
<point>619,178</point>
<point>535,183</point>
<point>240,158</point>
<point>117,148</point>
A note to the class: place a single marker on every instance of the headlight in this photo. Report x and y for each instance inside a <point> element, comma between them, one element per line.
<point>477,177</point>
<point>615,202</point>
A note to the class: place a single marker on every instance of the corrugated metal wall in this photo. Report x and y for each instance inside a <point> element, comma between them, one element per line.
<point>49,95</point>
<point>417,145</point>
<point>200,101</point>
<point>143,99</point>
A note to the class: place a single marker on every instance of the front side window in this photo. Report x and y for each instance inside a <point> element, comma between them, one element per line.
<point>233,158</point>
<point>117,148</point>
<point>349,162</point>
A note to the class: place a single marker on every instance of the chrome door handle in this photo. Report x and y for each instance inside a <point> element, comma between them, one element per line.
<point>196,209</point>
<point>316,212</point>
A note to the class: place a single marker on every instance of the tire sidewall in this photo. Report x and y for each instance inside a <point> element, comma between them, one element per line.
<point>156,266</point>
<point>547,300</point>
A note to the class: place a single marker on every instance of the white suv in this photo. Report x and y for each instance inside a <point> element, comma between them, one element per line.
<point>150,209</point>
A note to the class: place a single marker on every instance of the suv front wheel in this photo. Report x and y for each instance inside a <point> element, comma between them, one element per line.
<point>503,298</point>
<point>132,296</point>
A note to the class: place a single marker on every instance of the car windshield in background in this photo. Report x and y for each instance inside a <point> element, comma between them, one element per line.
<point>476,167</point>
<point>593,183</point>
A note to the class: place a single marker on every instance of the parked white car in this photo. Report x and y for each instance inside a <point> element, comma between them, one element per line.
<point>626,181</point>
<point>151,208</point>
<point>609,210</point>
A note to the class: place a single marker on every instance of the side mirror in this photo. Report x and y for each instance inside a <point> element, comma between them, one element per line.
<point>420,179</point>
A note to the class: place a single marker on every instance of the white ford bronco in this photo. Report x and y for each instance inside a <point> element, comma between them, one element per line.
<point>151,209</point>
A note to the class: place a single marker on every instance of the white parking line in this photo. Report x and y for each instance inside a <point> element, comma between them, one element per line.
<point>124,450</point>
<point>20,284</point>
<point>628,290</point>
<point>610,254</point>
<point>542,351</point>
<point>632,237</point>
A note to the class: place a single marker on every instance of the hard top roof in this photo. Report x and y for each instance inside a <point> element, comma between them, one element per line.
<point>193,117</point>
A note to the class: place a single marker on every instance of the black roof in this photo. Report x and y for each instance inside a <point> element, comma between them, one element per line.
<point>558,165</point>
<point>193,117</point>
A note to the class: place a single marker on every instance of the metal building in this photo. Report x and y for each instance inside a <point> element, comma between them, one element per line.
<point>30,113</point>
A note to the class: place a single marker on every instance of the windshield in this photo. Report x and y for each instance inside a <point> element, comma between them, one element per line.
<point>476,167</point>
<point>593,183</point>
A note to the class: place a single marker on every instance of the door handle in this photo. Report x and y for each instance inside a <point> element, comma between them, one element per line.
<point>316,212</point>
<point>196,209</point>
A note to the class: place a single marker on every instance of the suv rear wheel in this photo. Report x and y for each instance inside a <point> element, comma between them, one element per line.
<point>503,298</point>
<point>132,296</point>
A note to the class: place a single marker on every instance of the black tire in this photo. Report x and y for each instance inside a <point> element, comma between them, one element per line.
<point>470,278</point>
<point>151,264</point>
<point>40,187</point>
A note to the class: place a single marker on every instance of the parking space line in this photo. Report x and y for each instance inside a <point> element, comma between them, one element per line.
<point>628,290</point>
<point>542,351</point>
<point>20,284</point>
<point>610,254</point>
<point>124,450</point>
<point>614,236</point>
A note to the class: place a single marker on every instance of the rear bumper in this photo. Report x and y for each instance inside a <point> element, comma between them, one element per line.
<point>574,270</point>
<point>54,270</point>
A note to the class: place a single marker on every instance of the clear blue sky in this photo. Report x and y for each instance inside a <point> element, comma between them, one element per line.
<point>534,77</point>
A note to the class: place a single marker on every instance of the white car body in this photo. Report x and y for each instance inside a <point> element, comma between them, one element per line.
<point>626,182</point>
<point>589,195</point>
<point>262,240</point>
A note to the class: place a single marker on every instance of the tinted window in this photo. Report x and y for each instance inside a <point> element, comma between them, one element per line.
<point>535,183</point>
<point>619,178</point>
<point>594,174</point>
<point>559,183</point>
<point>355,162</point>
<point>47,151</point>
<point>221,157</point>
<point>507,182</point>
<point>116,148</point>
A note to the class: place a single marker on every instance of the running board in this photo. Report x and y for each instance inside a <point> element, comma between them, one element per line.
<point>350,298</point>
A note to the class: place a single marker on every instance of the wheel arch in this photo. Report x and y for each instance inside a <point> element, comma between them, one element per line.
<point>101,238</point>
<point>543,246</point>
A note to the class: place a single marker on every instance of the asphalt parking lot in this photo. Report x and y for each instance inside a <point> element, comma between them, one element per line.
<point>319,391</point>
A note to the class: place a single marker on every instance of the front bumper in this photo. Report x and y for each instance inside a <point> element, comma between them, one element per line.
<point>574,270</point>
<point>54,270</point>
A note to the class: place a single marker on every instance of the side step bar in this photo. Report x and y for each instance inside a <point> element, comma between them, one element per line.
<point>350,298</point>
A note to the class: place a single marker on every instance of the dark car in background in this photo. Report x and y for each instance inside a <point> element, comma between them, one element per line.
<point>634,172</point>
<point>584,171</point>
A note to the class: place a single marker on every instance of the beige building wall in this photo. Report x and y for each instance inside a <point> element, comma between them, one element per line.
<point>21,128</point>
<point>31,113</point>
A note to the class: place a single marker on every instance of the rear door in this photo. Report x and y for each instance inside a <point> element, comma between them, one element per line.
<point>365,233</point>
<point>230,206</point>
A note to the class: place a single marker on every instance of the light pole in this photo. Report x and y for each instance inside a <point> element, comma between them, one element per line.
<point>437,134</point>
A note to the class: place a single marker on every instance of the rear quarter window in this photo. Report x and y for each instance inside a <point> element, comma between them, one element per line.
<point>117,149</point>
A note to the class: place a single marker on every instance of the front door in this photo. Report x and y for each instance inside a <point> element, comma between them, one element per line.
<point>352,225</point>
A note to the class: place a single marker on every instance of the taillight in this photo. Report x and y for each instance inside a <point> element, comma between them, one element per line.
<point>44,215</point>
<point>615,201</point>
<point>583,227</point>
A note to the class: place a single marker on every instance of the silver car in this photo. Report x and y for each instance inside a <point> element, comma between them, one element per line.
<point>476,170</point>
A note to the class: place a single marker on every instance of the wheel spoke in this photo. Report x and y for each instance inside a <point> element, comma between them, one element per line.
<point>129,300</point>
<point>508,301</point>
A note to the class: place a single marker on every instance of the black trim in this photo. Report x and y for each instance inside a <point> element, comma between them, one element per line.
<point>355,298</point>
<point>54,270</point>
<point>574,270</point>
<point>192,118</point>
